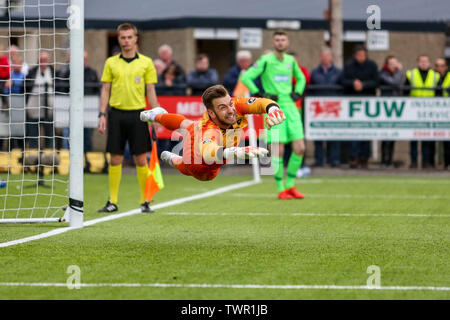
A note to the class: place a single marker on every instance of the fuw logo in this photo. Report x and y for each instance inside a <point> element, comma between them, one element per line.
<point>375,109</point>
<point>192,108</point>
<point>325,109</point>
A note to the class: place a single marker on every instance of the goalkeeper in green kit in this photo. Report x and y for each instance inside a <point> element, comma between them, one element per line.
<point>276,70</point>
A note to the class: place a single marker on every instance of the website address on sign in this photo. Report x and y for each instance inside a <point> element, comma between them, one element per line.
<point>376,135</point>
<point>415,125</point>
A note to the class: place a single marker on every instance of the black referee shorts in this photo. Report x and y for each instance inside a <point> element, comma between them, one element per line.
<point>126,126</point>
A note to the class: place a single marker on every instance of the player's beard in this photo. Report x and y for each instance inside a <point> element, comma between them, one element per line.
<point>225,121</point>
<point>280,51</point>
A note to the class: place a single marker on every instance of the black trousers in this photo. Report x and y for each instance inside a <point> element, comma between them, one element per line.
<point>33,133</point>
<point>387,151</point>
<point>428,152</point>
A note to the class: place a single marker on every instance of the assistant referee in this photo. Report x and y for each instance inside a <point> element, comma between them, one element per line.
<point>126,78</point>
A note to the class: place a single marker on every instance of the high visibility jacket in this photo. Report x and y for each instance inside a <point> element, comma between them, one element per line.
<point>446,85</point>
<point>415,79</point>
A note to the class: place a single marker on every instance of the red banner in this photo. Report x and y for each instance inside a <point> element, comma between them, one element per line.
<point>193,109</point>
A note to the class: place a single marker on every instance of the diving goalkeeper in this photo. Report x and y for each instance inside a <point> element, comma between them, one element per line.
<point>213,139</point>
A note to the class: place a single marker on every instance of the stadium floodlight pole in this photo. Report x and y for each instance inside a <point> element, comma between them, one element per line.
<point>76,187</point>
<point>336,31</point>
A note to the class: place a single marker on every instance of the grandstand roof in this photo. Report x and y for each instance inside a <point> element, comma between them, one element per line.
<point>398,10</point>
<point>161,14</point>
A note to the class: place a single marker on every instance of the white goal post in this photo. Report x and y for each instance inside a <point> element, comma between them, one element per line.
<point>33,187</point>
<point>76,186</point>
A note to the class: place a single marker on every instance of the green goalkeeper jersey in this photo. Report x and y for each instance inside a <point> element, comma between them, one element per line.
<point>276,76</point>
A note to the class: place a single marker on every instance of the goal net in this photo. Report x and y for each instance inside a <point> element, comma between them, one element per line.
<point>41,89</point>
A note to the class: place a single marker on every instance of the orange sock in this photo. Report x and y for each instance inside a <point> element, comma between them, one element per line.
<point>184,169</point>
<point>171,121</point>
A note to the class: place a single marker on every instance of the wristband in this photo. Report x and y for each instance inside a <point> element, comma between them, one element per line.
<point>101,114</point>
<point>273,109</point>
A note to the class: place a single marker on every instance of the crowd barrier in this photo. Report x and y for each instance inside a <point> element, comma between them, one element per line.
<point>325,117</point>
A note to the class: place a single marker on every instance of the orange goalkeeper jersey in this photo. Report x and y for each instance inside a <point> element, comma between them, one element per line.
<point>204,140</point>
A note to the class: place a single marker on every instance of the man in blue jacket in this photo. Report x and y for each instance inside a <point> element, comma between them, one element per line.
<point>202,77</point>
<point>243,62</point>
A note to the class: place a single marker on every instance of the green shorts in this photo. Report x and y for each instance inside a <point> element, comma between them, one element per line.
<point>290,129</point>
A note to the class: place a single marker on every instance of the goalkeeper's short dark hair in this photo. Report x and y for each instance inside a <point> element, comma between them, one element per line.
<point>214,92</point>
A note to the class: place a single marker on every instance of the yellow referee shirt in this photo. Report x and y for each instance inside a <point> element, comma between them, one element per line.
<point>128,80</point>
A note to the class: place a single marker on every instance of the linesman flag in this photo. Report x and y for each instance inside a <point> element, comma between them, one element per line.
<point>154,181</point>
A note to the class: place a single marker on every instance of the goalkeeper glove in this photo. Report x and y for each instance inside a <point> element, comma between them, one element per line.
<point>274,116</point>
<point>149,115</point>
<point>295,96</point>
<point>244,152</point>
<point>273,97</point>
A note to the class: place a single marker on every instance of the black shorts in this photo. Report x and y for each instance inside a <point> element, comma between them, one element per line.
<point>126,126</point>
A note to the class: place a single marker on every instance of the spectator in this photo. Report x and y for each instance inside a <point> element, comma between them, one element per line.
<point>16,84</point>
<point>444,82</point>
<point>165,53</point>
<point>391,75</point>
<point>170,83</point>
<point>326,74</point>
<point>422,80</point>
<point>39,102</point>
<point>91,88</point>
<point>302,67</point>
<point>91,81</point>
<point>159,66</point>
<point>243,62</point>
<point>202,77</point>
<point>440,66</point>
<point>14,53</point>
<point>360,77</point>
<point>63,76</point>
<point>5,70</point>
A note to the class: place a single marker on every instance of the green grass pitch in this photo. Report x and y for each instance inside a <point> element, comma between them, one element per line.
<point>245,237</point>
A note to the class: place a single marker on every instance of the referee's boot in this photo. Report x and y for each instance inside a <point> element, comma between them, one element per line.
<point>149,115</point>
<point>145,207</point>
<point>109,207</point>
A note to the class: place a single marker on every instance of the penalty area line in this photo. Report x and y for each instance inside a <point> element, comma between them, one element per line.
<point>225,286</point>
<point>131,212</point>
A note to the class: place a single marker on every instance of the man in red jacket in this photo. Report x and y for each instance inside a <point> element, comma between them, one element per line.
<point>5,70</point>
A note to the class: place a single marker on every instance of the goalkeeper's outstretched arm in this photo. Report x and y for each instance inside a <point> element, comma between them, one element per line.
<point>213,153</point>
<point>261,105</point>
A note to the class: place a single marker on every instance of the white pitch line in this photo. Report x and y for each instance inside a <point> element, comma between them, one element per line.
<point>227,286</point>
<point>398,180</point>
<point>349,196</point>
<point>130,213</point>
<point>308,214</point>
